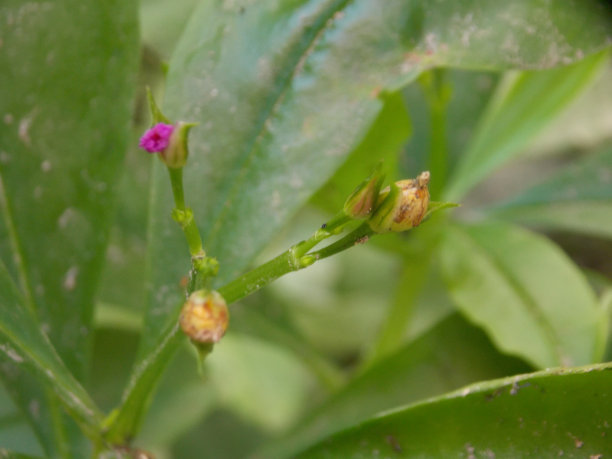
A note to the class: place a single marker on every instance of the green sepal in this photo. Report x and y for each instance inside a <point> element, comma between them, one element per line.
<point>362,202</point>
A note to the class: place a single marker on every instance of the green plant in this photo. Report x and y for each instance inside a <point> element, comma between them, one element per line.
<point>297,102</point>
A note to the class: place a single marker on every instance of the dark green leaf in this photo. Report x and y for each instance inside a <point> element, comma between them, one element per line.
<point>525,292</point>
<point>65,105</point>
<point>553,413</point>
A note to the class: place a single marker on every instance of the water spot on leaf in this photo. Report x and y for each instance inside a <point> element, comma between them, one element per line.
<point>65,218</point>
<point>70,279</point>
<point>45,166</point>
<point>11,353</point>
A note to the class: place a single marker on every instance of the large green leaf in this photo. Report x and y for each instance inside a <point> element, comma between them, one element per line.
<point>523,104</point>
<point>525,292</point>
<point>284,91</point>
<point>578,199</point>
<point>560,412</point>
<point>65,102</point>
<point>452,354</point>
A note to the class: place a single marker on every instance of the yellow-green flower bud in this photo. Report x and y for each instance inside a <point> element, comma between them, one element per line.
<point>402,206</point>
<point>176,153</point>
<point>204,317</point>
<point>362,201</point>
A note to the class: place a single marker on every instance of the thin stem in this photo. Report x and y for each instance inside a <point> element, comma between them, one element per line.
<point>183,215</point>
<point>437,93</point>
<point>294,259</point>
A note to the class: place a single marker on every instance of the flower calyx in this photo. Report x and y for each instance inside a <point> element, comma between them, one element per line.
<point>402,206</point>
<point>362,202</point>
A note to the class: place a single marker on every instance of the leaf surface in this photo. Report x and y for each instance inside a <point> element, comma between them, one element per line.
<point>559,412</point>
<point>525,292</point>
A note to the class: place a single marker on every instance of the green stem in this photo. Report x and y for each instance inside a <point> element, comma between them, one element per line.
<point>123,423</point>
<point>437,93</point>
<point>183,215</point>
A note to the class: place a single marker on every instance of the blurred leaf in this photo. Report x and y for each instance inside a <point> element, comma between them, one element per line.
<point>525,292</point>
<point>284,91</point>
<point>184,396</point>
<point>263,383</point>
<point>450,355</point>
<point>523,104</point>
<point>560,412</point>
<point>162,22</point>
<point>27,346</point>
<point>576,199</point>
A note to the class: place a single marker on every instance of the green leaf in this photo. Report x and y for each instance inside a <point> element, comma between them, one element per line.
<point>65,103</point>
<point>577,199</point>
<point>525,292</point>
<point>27,346</point>
<point>523,104</point>
<point>559,412</point>
<point>452,354</point>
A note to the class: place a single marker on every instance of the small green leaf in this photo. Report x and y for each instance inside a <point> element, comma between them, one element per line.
<point>577,199</point>
<point>525,292</point>
<point>523,104</point>
<point>553,413</point>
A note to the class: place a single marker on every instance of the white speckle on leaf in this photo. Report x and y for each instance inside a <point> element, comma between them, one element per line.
<point>45,166</point>
<point>11,353</point>
<point>45,328</point>
<point>5,158</point>
<point>37,192</point>
<point>70,279</point>
<point>214,92</point>
<point>65,218</point>
<point>296,182</point>
<point>24,128</point>
<point>8,118</point>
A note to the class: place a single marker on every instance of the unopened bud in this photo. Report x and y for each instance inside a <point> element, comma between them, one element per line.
<point>402,206</point>
<point>204,317</point>
<point>362,201</point>
<point>176,153</point>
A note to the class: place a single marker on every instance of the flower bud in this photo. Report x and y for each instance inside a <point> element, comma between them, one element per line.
<point>204,317</point>
<point>402,206</point>
<point>175,155</point>
<point>362,201</point>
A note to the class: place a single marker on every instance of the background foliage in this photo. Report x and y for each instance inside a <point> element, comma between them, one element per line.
<point>509,107</point>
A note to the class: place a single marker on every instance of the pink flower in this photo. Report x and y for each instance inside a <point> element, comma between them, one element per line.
<point>157,138</point>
